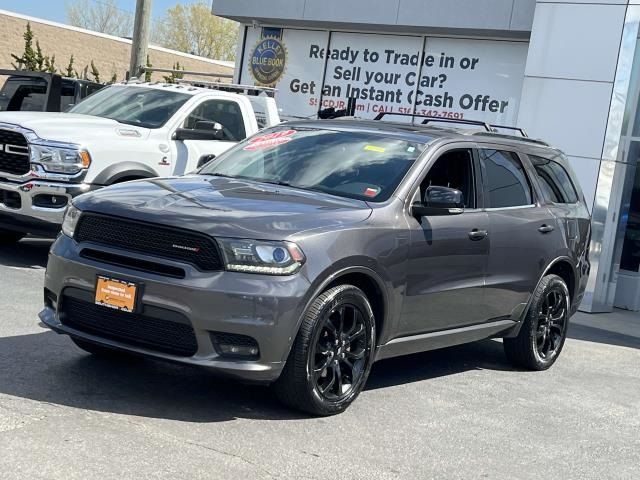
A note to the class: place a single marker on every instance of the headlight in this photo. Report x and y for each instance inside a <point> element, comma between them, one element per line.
<point>71,217</point>
<point>56,159</point>
<point>255,256</point>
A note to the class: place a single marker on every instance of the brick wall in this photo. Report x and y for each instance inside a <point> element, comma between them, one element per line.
<point>110,54</point>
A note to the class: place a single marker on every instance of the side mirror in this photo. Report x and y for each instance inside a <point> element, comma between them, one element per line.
<point>440,201</point>
<point>204,159</point>
<point>202,131</point>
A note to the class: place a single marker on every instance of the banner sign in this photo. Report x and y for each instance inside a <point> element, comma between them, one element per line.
<point>443,77</point>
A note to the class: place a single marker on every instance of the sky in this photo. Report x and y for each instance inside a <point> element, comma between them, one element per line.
<point>54,10</point>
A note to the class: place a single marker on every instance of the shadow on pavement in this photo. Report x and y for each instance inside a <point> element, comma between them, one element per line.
<point>28,253</point>
<point>484,355</point>
<point>588,333</point>
<point>47,367</point>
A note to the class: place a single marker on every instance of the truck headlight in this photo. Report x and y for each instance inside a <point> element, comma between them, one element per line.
<point>71,217</point>
<point>256,256</point>
<point>57,159</point>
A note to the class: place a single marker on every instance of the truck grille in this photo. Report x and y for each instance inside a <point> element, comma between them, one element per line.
<point>133,329</point>
<point>150,239</point>
<point>14,153</point>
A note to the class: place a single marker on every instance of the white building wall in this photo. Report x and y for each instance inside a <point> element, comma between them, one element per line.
<point>569,77</point>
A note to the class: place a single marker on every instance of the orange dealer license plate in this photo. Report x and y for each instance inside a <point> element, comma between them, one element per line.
<point>117,294</point>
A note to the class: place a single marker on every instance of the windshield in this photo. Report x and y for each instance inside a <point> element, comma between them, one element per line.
<point>143,107</point>
<point>365,166</point>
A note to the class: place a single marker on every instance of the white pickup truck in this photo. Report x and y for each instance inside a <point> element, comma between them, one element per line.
<point>122,132</point>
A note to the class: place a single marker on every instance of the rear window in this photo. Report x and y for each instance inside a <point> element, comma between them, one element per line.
<point>27,94</point>
<point>555,180</point>
<point>506,181</point>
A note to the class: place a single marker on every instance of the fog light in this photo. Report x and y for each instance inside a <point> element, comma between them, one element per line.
<point>238,350</point>
<point>234,345</point>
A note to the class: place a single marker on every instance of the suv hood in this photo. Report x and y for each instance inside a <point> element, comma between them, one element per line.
<point>71,127</point>
<point>225,207</point>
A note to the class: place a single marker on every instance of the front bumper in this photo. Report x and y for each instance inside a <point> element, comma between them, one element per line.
<point>265,308</point>
<point>36,206</point>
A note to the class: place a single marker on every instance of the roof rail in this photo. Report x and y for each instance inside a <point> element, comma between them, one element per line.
<point>428,118</point>
<point>230,87</point>
<point>515,129</point>
<point>511,137</point>
<point>491,128</point>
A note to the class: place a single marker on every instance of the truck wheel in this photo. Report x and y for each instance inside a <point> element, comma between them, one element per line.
<point>332,355</point>
<point>544,330</point>
<point>9,236</point>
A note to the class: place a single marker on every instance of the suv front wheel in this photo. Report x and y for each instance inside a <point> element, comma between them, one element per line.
<point>332,355</point>
<point>544,330</point>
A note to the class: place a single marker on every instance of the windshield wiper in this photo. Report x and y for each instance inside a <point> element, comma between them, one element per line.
<point>223,175</point>
<point>277,182</point>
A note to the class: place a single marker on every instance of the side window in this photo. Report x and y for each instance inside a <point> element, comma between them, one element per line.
<point>554,180</point>
<point>453,169</point>
<point>224,112</point>
<point>506,181</point>
<point>67,95</point>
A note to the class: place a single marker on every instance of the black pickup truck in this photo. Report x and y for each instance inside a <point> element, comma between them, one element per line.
<point>41,92</point>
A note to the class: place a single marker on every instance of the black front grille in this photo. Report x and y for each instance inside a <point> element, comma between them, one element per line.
<point>132,329</point>
<point>14,153</point>
<point>176,244</point>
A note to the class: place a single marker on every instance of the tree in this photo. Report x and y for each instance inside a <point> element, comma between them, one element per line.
<point>50,64</point>
<point>194,29</point>
<point>28,59</point>
<point>148,73</point>
<point>101,16</point>
<point>94,72</point>
<point>71,73</point>
<point>33,59</point>
<point>175,75</point>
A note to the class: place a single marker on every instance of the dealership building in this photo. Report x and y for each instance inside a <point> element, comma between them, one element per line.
<point>567,72</point>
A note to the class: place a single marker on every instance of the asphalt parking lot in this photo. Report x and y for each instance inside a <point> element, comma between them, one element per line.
<point>459,413</point>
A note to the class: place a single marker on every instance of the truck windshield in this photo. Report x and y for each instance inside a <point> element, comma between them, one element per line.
<point>360,165</point>
<point>143,107</point>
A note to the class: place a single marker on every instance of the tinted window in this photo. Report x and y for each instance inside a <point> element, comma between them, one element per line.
<point>227,114</point>
<point>67,95</point>
<point>365,166</point>
<point>555,180</point>
<point>27,94</point>
<point>454,170</point>
<point>631,248</point>
<point>507,184</point>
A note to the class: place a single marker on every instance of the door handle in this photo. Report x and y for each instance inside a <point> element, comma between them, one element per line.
<point>476,234</point>
<point>546,229</point>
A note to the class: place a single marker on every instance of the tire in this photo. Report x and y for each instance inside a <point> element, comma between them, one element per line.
<point>544,329</point>
<point>317,378</point>
<point>8,237</point>
<point>98,350</point>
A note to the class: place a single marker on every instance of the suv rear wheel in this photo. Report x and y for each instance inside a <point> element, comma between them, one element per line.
<point>544,330</point>
<point>9,236</point>
<point>332,355</point>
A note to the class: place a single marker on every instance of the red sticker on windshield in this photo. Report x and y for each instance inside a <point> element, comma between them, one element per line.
<point>371,192</point>
<point>270,140</point>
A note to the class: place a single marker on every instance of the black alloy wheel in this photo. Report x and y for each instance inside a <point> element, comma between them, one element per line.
<point>552,322</point>
<point>544,328</point>
<point>332,354</point>
<point>338,359</point>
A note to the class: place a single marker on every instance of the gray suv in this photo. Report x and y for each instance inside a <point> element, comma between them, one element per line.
<point>315,248</point>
